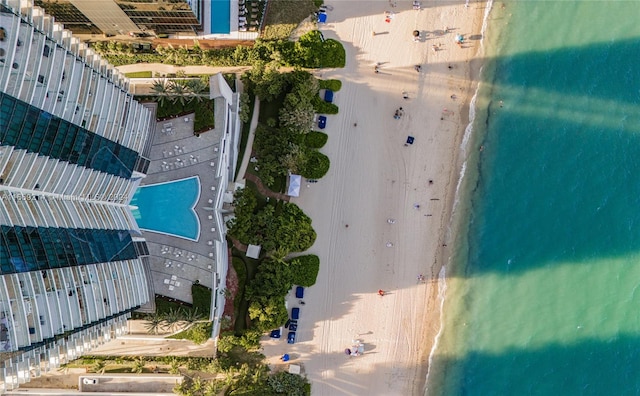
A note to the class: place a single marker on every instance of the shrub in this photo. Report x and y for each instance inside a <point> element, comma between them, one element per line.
<point>333,85</point>
<point>289,384</point>
<point>332,54</point>
<point>140,74</point>
<point>305,269</point>
<point>245,107</point>
<point>313,51</point>
<point>201,299</point>
<point>315,139</point>
<point>198,333</point>
<point>322,107</point>
<point>317,165</point>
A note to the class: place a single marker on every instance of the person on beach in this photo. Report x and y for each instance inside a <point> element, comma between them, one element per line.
<point>418,68</point>
<point>381,292</point>
<point>405,95</point>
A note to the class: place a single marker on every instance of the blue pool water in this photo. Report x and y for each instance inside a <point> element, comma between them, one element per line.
<point>220,16</point>
<point>168,208</point>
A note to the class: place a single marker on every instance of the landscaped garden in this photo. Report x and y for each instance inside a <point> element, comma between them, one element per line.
<point>284,143</point>
<point>181,96</point>
<point>310,51</point>
<point>238,369</point>
<point>284,15</point>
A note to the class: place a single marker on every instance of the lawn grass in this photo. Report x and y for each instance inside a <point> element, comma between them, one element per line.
<point>284,15</point>
<point>201,299</point>
<point>164,304</point>
<point>203,109</point>
<point>201,296</point>
<point>140,74</point>
<point>251,268</point>
<point>240,304</point>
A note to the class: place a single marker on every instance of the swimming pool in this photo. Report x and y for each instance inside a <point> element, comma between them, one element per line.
<point>220,16</point>
<point>168,208</point>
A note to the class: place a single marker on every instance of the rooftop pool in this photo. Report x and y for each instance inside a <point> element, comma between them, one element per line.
<point>169,208</point>
<point>220,16</point>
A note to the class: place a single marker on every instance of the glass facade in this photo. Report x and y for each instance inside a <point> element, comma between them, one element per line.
<point>166,16</point>
<point>72,263</point>
<point>160,16</point>
<point>24,249</point>
<point>27,127</point>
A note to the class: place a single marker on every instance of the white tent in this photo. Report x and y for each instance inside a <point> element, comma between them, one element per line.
<point>253,251</point>
<point>294,185</point>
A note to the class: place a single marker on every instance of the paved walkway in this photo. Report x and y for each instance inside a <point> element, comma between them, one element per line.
<point>162,68</point>
<point>238,245</point>
<point>176,154</point>
<point>264,190</point>
<point>249,147</point>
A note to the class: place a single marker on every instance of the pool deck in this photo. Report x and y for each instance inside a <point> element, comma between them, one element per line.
<point>176,153</point>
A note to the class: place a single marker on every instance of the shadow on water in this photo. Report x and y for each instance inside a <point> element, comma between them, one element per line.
<point>527,372</point>
<point>559,164</point>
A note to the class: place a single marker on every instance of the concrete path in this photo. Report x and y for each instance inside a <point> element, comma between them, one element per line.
<point>164,69</point>
<point>247,150</point>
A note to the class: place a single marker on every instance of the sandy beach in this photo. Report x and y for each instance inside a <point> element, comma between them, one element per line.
<point>375,177</point>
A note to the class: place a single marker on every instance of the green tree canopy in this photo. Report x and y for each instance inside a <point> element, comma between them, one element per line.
<point>288,384</point>
<point>241,226</point>
<point>270,312</point>
<point>317,165</point>
<point>305,269</point>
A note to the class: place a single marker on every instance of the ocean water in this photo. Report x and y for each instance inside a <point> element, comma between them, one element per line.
<point>543,293</point>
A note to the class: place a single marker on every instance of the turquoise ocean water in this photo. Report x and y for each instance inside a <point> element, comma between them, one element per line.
<point>543,294</point>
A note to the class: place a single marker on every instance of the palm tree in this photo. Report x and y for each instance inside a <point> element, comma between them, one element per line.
<point>199,89</point>
<point>212,387</point>
<point>175,367</point>
<point>138,365</point>
<point>197,385</point>
<point>153,323</point>
<point>279,254</point>
<point>161,89</point>
<point>191,315</point>
<point>171,319</point>
<point>99,366</point>
<point>179,91</point>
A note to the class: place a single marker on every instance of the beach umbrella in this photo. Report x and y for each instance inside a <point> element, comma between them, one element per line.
<point>416,33</point>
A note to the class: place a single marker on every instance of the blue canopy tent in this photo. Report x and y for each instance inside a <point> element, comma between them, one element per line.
<point>322,17</point>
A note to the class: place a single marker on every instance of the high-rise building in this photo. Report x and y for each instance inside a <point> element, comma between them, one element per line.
<point>124,17</point>
<point>72,259</point>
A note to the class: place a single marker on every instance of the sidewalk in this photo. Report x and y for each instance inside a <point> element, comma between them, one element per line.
<point>247,150</point>
<point>165,69</point>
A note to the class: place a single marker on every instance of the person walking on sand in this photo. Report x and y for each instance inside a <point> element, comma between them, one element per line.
<point>381,293</point>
